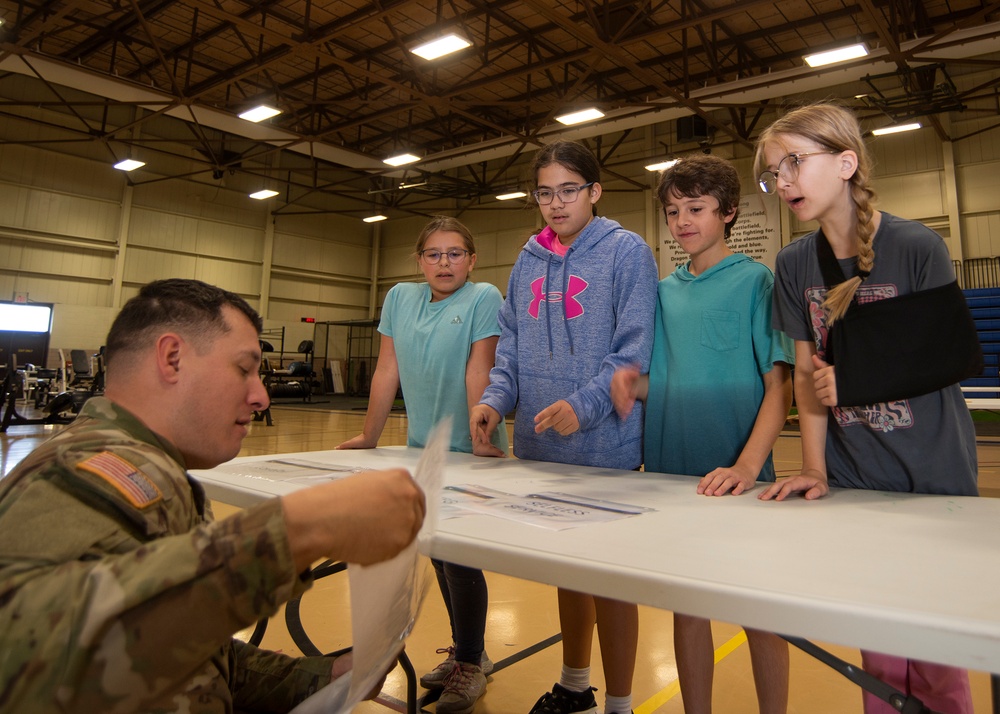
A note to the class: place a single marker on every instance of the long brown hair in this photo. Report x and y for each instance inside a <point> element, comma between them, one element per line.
<point>835,128</point>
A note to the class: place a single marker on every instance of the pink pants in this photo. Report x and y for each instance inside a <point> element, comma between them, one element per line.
<point>941,688</point>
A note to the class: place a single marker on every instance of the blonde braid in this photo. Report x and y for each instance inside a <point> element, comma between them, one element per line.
<point>839,298</point>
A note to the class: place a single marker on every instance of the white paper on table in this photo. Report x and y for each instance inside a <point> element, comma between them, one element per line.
<point>456,500</point>
<point>299,471</point>
<point>386,597</point>
<point>551,510</point>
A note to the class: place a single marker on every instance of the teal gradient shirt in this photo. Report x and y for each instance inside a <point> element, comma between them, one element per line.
<point>712,344</point>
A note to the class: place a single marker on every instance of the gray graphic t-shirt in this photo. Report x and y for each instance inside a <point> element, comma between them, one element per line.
<point>924,444</point>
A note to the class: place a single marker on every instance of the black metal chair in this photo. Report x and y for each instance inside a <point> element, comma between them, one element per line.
<point>85,382</point>
<point>265,377</point>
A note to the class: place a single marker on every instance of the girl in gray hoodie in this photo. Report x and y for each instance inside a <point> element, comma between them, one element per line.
<point>579,305</point>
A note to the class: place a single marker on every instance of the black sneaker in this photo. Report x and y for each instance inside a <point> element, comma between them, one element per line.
<point>563,701</point>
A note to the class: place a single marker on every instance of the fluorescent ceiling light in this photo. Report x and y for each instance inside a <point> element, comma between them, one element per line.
<point>441,46</point>
<point>841,54</point>
<point>580,116</point>
<point>662,166</point>
<point>401,159</point>
<point>374,219</point>
<point>129,165</point>
<point>260,113</point>
<point>896,129</point>
<point>263,193</point>
<point>509,196</point>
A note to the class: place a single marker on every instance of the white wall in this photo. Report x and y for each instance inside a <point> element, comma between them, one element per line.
<point>64,239</point>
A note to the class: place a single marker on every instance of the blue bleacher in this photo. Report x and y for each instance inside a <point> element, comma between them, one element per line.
<point>981,292</point>
<point>985,313</point>
<point>984,303</point>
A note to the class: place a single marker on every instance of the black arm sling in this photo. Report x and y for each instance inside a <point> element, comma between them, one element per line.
<point>899,347</point>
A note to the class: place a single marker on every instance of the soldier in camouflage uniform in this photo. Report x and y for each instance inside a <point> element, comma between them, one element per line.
<point>118,590</point>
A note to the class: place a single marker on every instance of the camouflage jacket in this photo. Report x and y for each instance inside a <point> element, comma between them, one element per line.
<point>118,591</point>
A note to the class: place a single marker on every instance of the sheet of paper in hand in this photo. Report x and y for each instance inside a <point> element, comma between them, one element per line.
<point>386,597</point>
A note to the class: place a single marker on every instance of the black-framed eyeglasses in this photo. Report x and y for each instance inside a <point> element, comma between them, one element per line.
<point>566,194</point>
<point>768,180</point>
<point>433,257</point>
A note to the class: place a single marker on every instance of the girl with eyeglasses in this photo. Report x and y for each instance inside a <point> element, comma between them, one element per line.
<point>579,304</point>
<point>816,161</point>
<point>439,338</point>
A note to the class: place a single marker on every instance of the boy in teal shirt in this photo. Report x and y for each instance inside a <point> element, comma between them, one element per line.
<point>717,393</point>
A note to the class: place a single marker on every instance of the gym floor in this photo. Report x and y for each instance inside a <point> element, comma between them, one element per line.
<point>523,614</point>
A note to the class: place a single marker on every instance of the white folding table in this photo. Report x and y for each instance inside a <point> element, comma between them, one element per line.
<point>905,574</point>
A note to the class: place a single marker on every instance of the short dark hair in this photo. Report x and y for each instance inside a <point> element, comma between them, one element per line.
<point>703,175</point>
<point>189,306</point>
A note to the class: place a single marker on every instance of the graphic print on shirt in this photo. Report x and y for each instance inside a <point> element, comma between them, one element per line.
<point>884,416</point>
<point>573,307</point>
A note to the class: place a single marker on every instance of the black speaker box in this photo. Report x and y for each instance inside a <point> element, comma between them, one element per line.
<point>692,128</point>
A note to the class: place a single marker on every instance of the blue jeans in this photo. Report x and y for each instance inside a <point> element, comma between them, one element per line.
<point>466,597</point>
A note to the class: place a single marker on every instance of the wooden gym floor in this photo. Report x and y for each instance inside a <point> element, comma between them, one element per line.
<point>523,614</point>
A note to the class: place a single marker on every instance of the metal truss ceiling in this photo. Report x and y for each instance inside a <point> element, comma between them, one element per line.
<point>352,93</point>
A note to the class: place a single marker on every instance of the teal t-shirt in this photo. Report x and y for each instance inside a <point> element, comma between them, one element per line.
<point>712,343</point>
<point>432,342</point>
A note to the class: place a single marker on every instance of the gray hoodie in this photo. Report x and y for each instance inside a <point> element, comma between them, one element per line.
<point>567,324</point>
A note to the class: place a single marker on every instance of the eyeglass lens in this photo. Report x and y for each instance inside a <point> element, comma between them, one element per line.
<point>769,179</point>
<point>568,194</point>
<point>434,256</point>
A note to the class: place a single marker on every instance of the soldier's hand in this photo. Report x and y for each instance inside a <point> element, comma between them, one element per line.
<point>365,519</point>
<point>345,663</point>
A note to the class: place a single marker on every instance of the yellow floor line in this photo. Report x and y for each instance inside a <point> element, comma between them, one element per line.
<point>674,688</point>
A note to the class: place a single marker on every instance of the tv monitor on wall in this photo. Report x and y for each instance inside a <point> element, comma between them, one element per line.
<point>19,317</point>
<point>24,333</point>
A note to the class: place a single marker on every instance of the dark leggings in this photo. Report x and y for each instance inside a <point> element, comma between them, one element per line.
<point>466,597</point>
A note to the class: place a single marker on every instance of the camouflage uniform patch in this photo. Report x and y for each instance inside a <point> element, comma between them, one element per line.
<point>123,476</point>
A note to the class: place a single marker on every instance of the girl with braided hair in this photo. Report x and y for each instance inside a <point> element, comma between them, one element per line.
<point>815,160</point>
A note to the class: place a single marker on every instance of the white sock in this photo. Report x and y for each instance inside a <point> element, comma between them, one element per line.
<point>575,680</point>
<point>618,705</point>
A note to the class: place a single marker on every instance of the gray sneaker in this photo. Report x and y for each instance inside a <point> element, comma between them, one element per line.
<point>462,689</point>
<point>435,678</point>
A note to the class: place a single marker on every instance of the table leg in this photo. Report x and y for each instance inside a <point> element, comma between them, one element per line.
<point>898,700</point>
<point>411,683</point>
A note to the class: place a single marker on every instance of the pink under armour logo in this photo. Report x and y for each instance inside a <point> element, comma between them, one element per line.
<point>573,307</point>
